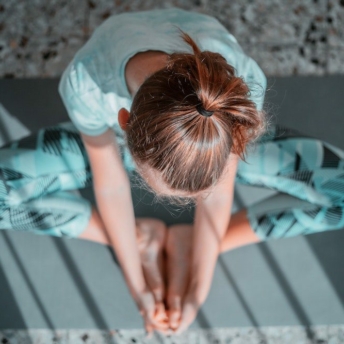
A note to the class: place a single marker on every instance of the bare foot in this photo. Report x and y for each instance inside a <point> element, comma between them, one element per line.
<point>151,236</point>
<point>178,250</point>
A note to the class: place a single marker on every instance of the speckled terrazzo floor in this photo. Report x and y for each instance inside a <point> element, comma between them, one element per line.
<point>300,37</point>
<point>246,335</point>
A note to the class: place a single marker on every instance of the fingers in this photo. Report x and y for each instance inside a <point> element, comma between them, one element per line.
<point>147,307</point>
<point>151,323</point>
<point>149,330</point>
<point>156,323</point>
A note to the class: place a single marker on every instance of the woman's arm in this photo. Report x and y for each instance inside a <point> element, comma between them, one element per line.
<point>112,192</point>
<point>212,218</point>
<point>113,196</point>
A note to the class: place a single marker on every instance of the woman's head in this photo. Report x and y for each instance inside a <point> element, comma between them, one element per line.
<point>169,136</point>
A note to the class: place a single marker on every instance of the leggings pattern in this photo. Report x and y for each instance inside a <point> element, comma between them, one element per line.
<point>35,174</point>
<point>39,173</point>
<point>303,167</point>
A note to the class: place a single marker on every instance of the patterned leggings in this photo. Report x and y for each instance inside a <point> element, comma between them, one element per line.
<point>39,172</point>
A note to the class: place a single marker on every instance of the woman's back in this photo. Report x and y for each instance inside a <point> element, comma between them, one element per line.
<point>93,86</point>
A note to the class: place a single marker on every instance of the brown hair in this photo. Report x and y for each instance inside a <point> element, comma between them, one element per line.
<point>166,132</point>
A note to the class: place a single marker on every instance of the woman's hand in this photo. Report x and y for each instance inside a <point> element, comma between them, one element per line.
<point>150,311</point>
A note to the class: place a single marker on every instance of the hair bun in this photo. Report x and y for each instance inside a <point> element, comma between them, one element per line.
<point>203,111</point>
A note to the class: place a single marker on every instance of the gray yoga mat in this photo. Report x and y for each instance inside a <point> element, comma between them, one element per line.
<point>69,283</point>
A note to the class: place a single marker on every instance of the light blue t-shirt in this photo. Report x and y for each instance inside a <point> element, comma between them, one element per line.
<point>93,86</point>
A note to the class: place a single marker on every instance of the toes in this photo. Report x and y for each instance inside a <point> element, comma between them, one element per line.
<point>174,319</point>
<point>151,226</point>
<point>160,314</point>
<point>174,304</point>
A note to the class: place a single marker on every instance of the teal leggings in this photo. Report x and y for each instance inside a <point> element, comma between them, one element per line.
<point>39,173</point>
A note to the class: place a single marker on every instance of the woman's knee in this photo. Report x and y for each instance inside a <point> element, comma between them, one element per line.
<point>149,223</point>
<point>151,229</point>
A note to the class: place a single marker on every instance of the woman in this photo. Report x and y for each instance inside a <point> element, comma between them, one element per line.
<point>105,78</point>
<point>182,113</point>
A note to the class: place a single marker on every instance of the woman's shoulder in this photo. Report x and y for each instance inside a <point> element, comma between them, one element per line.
<point>101,61</point>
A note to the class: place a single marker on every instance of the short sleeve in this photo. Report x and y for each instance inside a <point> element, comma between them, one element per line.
<point>255,80</point>
<point>226,45</point>
<point>82,99</point>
